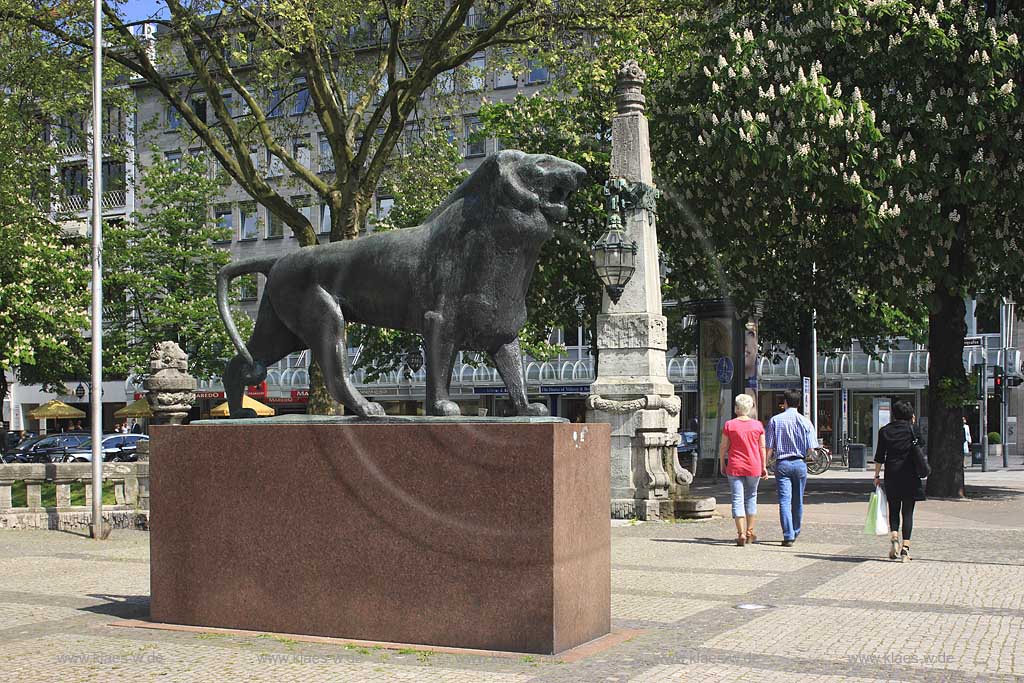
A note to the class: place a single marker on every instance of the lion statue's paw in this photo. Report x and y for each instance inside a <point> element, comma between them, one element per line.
<point>371,409</point>
<point>447,408</point>
<point>243,413</point>
<point>537,410</point>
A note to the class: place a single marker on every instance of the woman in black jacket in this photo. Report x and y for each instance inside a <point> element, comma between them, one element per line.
<point>905,465</point>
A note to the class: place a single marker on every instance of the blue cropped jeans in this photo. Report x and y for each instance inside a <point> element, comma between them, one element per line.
<point>744,495</point>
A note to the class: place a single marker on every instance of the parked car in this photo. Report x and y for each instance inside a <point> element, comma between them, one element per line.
<point>14,438</point>
<point>46,448</point>
<point>116,447</point>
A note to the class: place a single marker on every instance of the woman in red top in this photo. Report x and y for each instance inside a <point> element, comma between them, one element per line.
<point>743,442</point>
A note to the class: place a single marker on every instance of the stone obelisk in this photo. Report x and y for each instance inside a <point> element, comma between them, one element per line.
<point>632,391</point>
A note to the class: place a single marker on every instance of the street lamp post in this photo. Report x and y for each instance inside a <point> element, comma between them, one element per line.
<point>97,529</point>
<point>1006,332</point>
<point>632,392</point>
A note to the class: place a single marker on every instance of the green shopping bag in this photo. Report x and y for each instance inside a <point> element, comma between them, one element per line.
<point>877,523</point>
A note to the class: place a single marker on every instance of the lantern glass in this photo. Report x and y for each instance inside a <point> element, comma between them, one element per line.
<point>414,359</point>
<point>614,257</point>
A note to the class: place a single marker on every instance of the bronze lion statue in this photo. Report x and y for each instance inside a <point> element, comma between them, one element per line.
<point>459,279</point>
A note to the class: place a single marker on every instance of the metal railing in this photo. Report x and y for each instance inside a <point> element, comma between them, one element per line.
<point>577,367</point>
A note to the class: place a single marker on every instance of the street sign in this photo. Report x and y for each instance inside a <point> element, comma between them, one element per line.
<point>976,342</point>
<point>724,369</point>
<point>807,397</point>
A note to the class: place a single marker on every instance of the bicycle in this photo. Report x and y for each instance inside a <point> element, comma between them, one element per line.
<point>843,455</point>
<point>819,460</point>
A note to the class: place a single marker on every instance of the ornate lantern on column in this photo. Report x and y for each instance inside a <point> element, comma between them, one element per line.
<point>614,255</point>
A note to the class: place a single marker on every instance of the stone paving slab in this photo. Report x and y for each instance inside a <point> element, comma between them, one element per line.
<point>684,583</point>
<point>927,583</point>
<point>110,660</point>
<point>837,611</point>
<point>969,643</point>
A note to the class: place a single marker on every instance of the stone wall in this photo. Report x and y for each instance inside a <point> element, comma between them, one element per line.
<point>131,492</point>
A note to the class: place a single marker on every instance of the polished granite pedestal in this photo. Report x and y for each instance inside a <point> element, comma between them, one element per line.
<point>474,532</point>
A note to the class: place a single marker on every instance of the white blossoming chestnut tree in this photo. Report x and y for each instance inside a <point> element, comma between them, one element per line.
<point>878,139</point>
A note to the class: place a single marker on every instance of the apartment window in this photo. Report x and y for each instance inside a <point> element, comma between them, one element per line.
<point>505,79</point>
<point>382,89</point>
<point>247,287</point>
<point>275,167</point>
<point>325,219</point>
<point>300,150</point>
<point>300,103</point>
<point>444,84</point>
<point>384,206</point>
<point>275,226</point>
<point>254,156</point>
<point>476,143</point>
<point>224,218</point>
<point>274,107</point>
<point>304,204</point>
<point>412,135</point>
<point>198,105</point>
<point>113,175</point>
<point>449,130</point>
<point>476,67</point>
<point>476,19</point>
<point>326,158</point>
<point>248,223</point>
<point>173,117</point>
<point>75,179</point>
<point>538,73</point>
<point>173,158</point>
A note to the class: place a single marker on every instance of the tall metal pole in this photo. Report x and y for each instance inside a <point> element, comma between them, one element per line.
<point>983,409</point>
<point>97,529</point>
<point>1006,335</point>
<point>814,360</point>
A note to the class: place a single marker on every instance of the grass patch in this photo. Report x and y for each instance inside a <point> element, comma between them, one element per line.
<point>48,493</point>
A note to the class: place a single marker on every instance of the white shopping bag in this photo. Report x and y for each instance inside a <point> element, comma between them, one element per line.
<point>877,522</point>
<point>882,520</point>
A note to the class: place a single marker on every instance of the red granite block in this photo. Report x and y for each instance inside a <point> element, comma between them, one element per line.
<point>476,535</point>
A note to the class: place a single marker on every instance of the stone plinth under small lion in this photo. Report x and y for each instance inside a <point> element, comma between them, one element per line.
<point>470,533</point>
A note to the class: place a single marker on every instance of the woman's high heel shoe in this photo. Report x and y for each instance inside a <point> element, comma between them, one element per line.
<point>751,537</point>
<point>740,540</point>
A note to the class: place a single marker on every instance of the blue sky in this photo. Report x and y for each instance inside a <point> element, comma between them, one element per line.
<point>136,10</point>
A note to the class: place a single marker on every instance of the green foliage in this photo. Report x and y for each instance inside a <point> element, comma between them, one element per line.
<point>572,118</point>
<point>994,438</point>
<point>160,273</point>
<point>43,273</point>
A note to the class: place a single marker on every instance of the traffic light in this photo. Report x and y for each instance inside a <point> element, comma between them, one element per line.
<point>979,381</point>
<point>998,380</point>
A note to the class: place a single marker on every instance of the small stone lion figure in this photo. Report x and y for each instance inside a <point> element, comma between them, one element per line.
<point>460,279</point>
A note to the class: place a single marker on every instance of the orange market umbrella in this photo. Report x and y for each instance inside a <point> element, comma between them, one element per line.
<point>261,410</point>
<point>55,410</point>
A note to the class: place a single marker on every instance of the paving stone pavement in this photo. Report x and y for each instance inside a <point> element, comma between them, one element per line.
<point>834,609</point>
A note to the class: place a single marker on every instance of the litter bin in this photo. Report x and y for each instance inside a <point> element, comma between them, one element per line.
<point>976,457</point>
<point>858,457</point>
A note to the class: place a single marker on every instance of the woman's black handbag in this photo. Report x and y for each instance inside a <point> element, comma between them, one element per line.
<point>921,466</point>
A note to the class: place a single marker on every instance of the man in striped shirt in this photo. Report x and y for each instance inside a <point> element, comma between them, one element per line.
<point>790,436</point>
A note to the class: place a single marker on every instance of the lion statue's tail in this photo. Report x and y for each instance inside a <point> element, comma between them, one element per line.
<point>224,277</point>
